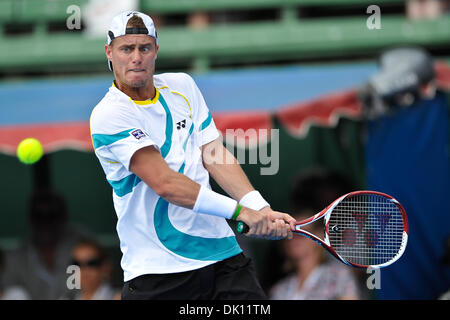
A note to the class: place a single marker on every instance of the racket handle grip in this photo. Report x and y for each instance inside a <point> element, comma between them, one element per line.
<point>242,227</point>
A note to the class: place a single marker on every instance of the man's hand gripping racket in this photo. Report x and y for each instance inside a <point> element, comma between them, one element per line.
<point>362,229</point>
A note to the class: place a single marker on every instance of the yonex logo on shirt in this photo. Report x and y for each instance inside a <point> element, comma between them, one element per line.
<point>138,134</point>
<point>181,124</point>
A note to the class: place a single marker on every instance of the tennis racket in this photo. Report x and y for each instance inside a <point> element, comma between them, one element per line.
<point>362,229</point>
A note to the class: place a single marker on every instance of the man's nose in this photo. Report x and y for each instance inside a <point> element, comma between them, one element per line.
<point>136,57</point>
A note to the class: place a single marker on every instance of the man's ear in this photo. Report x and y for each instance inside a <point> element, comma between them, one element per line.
<point>108,51</point>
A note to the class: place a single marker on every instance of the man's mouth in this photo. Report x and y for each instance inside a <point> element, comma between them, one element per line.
<point>137,70</point>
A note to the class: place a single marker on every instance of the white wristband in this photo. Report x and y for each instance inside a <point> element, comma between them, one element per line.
<point>213,203</point>
<point>254,200</point>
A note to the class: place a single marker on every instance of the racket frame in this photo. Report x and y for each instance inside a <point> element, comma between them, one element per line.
<point>326,214</point>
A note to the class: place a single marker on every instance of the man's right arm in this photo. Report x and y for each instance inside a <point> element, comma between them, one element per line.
<point>148,164</point>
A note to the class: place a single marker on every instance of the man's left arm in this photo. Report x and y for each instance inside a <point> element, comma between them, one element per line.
<point>227,172</point>
<point>225,169</point>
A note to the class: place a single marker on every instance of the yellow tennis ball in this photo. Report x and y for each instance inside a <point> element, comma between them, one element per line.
<point>29,151</point>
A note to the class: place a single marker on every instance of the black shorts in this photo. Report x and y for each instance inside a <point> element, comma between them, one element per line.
<point>231,279</point>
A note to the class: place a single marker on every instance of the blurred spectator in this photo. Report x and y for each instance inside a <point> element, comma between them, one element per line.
<point>198,20</point>
<point>95,273</point>
<point>312,274</point>
<point>97,14</point>
<point>315,276</point>
<point>405,76</point>
<point>317,188</point>
<point>39,263</point>
<point>426,9</point>
<point>12,292</point>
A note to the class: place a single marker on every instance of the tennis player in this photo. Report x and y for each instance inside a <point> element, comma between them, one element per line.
<point>158,146</point>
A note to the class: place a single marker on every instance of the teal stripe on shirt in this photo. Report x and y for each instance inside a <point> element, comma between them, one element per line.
<point>107,139</point>
<point>188,246</point>
<point>124,186</point>
<point>169,128</point>
<point>206,123</point>
<point>191,129</point>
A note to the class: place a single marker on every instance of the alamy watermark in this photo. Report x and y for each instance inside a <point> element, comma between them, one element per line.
<point>373,22</point>
<point>73,21</point>
<point>251,146</point>
<point>374,279</point>
<point>74,279</point>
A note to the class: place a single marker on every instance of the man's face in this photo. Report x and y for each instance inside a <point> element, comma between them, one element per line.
<point>133,57</point>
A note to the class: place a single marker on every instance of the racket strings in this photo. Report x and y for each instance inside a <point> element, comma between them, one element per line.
<point>366,229</point>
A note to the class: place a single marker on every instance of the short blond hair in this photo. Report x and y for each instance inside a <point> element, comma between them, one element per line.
<point>135,22</point>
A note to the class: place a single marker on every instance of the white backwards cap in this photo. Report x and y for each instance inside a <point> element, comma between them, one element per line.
<point>119,28</point>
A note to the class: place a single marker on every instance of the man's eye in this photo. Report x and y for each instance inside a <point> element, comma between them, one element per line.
<point>126,49</point>
<point>145,49</point>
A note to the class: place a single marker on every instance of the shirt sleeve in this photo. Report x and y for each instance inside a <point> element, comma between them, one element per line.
<point>116,136</point>
<point>206,128</point>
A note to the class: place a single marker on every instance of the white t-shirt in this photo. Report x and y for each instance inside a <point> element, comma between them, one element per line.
<point>155,235</point>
